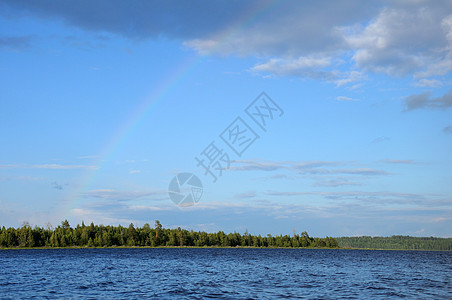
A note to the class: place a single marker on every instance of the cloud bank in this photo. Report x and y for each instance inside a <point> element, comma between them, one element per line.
<point>425,100</point>
<point>336,41</point>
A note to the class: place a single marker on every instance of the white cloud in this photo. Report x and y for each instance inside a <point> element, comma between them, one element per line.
<point>343,98</point>
<point>306,167</point>
<point>246,195</point>
<point>64,167</point>
<point>335,41</point>
<point>318,68</point>
<point>429,83</point>
<point>315,164</point>
<point>204,47</point>
<point>255,165</point>
<point>420,231</point>
<point>379,47</point>
<point>288,66</point>
<point>404,38</point>
<point>24,178</point>
<point>437,67</point>
<point>357,171</point>
<point>425,100</point>
<point>99,217</point>
<point>48,166</point>
<point>304,67</point>
<point>335,182</point>
<point>111,194</point>
<point>350,77</point>
<point>400,161</point>
<point>374,198</point>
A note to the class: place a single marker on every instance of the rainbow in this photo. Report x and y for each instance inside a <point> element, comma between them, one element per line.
<point>168,84</point>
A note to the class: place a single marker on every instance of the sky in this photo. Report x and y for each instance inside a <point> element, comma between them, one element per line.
<point>331,117</point>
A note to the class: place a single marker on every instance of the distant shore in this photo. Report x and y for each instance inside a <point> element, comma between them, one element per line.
<point>210,247</point>
<point>90,236</point>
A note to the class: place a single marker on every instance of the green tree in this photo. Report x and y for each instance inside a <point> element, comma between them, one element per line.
<point>131,235</point>
<point>65,225</point>
<point>158,233</point>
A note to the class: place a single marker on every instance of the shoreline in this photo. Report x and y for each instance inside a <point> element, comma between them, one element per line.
<point>212,247</point>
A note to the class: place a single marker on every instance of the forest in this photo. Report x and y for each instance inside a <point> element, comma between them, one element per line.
<point>146,236</point>
<point>396,242</point>
<point>110,236</point>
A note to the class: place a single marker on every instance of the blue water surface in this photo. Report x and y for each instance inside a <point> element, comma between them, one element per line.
<point>164,273</point>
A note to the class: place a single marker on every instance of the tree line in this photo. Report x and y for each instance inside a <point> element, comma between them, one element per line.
<point>396,242</point>
<point>110,236</point>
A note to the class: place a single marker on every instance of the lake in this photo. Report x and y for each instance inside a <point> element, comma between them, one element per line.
<point>164,273</point>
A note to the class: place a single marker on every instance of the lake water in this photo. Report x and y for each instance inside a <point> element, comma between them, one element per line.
<point>224,273</point>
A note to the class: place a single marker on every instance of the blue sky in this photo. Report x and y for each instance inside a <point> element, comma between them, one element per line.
<point>102,104</point>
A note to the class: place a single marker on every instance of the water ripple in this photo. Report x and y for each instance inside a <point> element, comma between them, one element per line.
<point>224,274</point>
